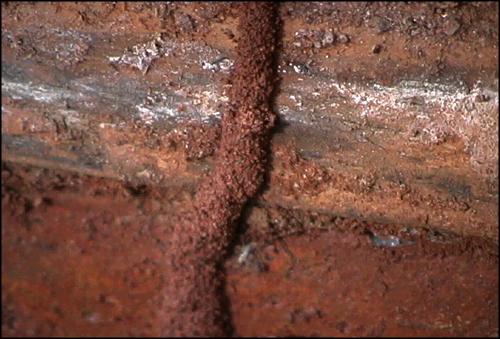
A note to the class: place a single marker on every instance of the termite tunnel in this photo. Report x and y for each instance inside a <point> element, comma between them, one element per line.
<point>193,301</point>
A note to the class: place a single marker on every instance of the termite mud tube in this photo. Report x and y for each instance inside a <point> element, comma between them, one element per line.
<point>193,295</point>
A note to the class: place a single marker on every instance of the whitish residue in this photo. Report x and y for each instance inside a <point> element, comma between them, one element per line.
<point>378,100</point>
<point>431,111</point>
<point>199,103</point>
<point>48,95</point>
<point>222,64</point>
<point>437,111</point>
<point>245,253</point>
<point>38,92</point>
<point>389,241</point>
<point>70,46</point>
<point>151,114</point>
<point>142,55</point>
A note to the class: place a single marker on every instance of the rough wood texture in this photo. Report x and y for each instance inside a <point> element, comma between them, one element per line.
<point>388,111</point>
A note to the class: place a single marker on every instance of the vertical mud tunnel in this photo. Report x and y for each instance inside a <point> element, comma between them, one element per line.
<point>193,296</point>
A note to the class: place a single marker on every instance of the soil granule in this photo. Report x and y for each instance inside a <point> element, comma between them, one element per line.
<point>193,300</point>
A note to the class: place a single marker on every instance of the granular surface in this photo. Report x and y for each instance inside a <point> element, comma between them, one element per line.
<point>193,303</point>
<point>81,257</point>
<point>87,256</point>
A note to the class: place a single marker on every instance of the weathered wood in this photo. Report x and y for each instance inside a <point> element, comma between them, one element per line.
<point>405,132</point>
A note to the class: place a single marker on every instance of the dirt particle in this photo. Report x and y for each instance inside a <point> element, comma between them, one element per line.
<point>185,22</point>
<point>482,98</point>
<point>376,49</point>
<point>196,140</point>
<point>304,315</point>
<point>342,327</point>
<point>343,38</point>
<point>382,25</point>
<point>451,27</point>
